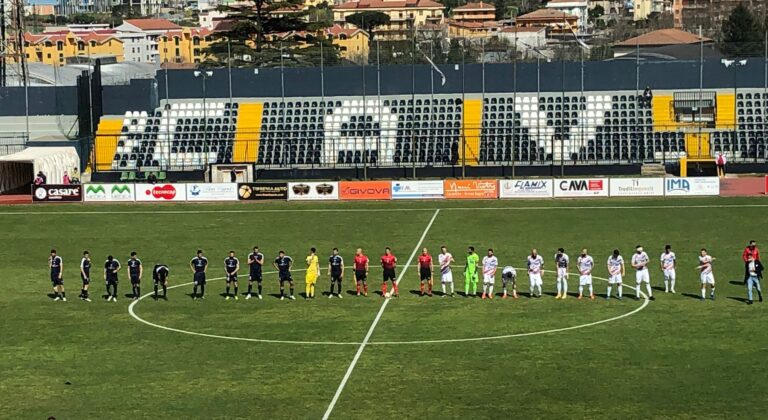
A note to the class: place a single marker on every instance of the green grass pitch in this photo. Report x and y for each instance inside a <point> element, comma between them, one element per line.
<point>676,358</point>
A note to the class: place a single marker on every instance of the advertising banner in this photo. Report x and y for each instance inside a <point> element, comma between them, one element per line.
<point>417,189</point>
<point>581,187</point>
<point>365,190</point>
<point>692,186</point>
<point>109,192</point>
<point>526,188</point>
<point>161,192</point>
<point>637,187</point>
<point>474,189</point>
<point>212,192</point>
<point>313,191</point>
<point>262,191</point>
<point>51,193</point>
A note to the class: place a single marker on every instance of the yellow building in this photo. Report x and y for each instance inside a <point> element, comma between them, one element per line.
<point>184,46</point>
<point>352,43</point>
<point>474,12</point>
<point>55,48</point>
<point>405,15</point>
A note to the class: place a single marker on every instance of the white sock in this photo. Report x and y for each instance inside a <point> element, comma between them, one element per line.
<point>637,289</point>
<point>559,286</point>
<point>532,287</point>
<point>504,289</point>
<point>712,291</point>
<point>650,291</point>
<point>619,289</point>
<point>443,286</point>
<point>672,283</point>
<point>590,290</point>
<point>703,292</point>
<point>565,286</point>
<point>608,294</point>
<point>666,285</point>
<point>490,290</point>
<point>539,286</point>
<point>485,288</point>
<point>581,290</point>
<point>451,287</point>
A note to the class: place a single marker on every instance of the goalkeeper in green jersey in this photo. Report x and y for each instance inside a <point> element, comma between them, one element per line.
<point>470,272</point>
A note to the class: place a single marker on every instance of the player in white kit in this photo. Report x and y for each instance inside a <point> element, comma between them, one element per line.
<point>446,275</point>
<point>561,263</point>
<point>509,275</point>
<point>490,264</point>
<point>585,264</point>
<point>535,265</point>
<point>707,277</point>
<point>640,263</point>
<point>668,266</point>
<point>616,273</point>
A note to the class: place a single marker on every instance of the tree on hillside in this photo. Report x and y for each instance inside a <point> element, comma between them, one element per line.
<point>742,34</point>
<point>368,21</point>
<point>257,35</point>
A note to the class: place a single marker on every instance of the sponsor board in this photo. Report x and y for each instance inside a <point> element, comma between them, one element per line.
<point>313,191</point>
<point>637,187</point>
<point>692,186</point>
<point>51,193</point>
<point>212,192</point>
<point>417,189</point>
<point>262,191</point>
<point>108,192</point>
<point>161,192</point>
<point>526,188</point>
<point>365,190</point>
<point>471,189</point>
<point>581,187</point>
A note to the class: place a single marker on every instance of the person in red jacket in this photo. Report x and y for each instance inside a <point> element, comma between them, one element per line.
<point>750,251</point>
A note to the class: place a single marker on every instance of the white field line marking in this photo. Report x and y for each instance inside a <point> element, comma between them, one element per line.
<point>340,210</point>
<point>376,321</point>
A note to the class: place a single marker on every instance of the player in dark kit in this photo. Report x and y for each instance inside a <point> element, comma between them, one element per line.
<point>388,264</point>
<point>255,262</point>
<point>85,275</point>
<point>56,264</point>
<point>231,267</point>
<point>135,271</point>
<point>111,267</point>
<point>283,264</point>
<point>335,271</point>
<point>160,275</point>
<point>198,265</point>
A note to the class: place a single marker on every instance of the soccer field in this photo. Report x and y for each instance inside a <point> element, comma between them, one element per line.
<point>413,357</point>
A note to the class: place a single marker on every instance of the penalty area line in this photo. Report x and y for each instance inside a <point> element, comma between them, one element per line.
<point>375,322</point>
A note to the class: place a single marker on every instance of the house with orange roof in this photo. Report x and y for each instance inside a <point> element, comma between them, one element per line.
<point>670,42</point>
<point>554,21</point>
<point>405,15</point>
<point>58,48</point>
<point>140,38</point>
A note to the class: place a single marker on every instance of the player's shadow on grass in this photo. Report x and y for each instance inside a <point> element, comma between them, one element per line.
<point>274,295</point>
<point>53,295</point>
<point>737,282</point>
<point>739,299</point>
<point>658,288</point>
<point>691,295</point>
<point>128,295</point>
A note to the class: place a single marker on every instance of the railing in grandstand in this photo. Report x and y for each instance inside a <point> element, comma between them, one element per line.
<point>12,143</point>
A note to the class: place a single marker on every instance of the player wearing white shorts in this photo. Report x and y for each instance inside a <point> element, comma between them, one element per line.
<point>561,264</point>
<point>509,275</point>
<point>446,275</point>
<point>616,273</point>
<point>535,264</point>
<point>668,266</point>
<point>640,263</point>
<point>490,264</point>
<point>585,264</point>
<point>707,277</point>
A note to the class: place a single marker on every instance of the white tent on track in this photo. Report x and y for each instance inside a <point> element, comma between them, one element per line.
<point>19,169</point>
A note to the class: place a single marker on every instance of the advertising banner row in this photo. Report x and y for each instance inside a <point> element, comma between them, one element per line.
<point>382,190</point>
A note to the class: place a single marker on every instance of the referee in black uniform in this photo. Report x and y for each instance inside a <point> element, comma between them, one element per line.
<point>199,266</point>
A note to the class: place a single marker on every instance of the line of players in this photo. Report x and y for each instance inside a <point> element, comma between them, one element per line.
<point>488,266</point>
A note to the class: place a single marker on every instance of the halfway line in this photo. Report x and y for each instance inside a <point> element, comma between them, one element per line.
<point>376,322</point>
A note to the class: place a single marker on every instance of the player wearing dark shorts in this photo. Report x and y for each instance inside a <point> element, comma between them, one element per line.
<point>231,267</point>
<point>198,265</point>
<point>388,264</point>
<point>425,271</point>
<point>135,271</point>
<point>255,262</point>
<point>85,275</point>
<point>335,271</point>
<point>111,267</point>
<point>56,264</point>
<point>361,271</point>
<point>160,275</point>
<point>283,264</point>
